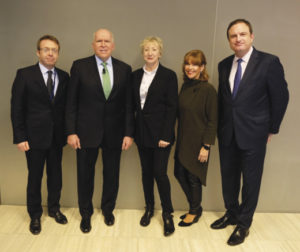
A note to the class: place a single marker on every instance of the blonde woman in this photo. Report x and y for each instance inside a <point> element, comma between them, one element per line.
<point>155,96</point>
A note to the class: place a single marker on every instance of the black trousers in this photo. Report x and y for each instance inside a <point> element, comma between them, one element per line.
<point>154,162</point>
<point>36,160</point>
<point>191,185</point>
<point>237,163</point>
<point>86,160</point>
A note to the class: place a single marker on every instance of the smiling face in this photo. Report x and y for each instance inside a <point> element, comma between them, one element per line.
<point>103,44</point>
<point>151,53</point>
<point>193,71</point>
<point>240,39</point>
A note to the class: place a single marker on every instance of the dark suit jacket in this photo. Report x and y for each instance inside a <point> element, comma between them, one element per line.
<point>94,119</point>
<point>259,105</point>
<point>34,117</point>
<point>156,120</point>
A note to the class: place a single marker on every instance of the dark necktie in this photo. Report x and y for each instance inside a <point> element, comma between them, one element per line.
<point>50,85</point>
<point>237,78</point>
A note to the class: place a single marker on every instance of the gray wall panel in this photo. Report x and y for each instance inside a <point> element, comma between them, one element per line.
<point>183,25</point>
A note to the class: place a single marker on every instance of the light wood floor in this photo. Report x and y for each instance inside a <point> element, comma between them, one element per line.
<point>269,232</point>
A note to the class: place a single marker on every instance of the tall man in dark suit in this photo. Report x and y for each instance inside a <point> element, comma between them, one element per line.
<point>253,97</point>
<point>99,115</point>
<point>37,114</point>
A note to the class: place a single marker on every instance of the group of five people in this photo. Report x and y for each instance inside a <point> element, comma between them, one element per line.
<point>104,105</point>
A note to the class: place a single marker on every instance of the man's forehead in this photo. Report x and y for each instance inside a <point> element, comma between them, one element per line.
<point>48,41</point>
<point>239,27</point>
<point>103,34</point>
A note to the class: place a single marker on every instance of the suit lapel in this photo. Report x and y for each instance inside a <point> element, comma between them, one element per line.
<point>248,72</point>
<point>116,77</point>
<point>227,74</point>
<point>153,85</point>
<point>94,73</point>
<point>41,82</point>
<point>137,84</point>
<point>61,85</point>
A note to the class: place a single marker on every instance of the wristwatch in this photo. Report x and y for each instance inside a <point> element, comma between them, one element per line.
<point>206,147</point>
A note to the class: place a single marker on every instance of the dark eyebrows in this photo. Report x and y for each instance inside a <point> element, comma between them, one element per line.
<point>240,33</point>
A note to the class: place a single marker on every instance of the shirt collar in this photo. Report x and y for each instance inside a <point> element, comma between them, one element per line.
<point>150,72</point>
<point>44,69</point>
<point>99,61</point>
<point>246,57</point>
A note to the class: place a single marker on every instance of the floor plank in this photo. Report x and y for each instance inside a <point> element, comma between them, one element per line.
<point>270,232</point>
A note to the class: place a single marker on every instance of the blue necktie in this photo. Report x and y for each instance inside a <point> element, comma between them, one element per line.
<point>237,78</point>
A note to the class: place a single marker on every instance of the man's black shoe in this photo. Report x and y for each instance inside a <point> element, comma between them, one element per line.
<point>35,226</point>
<point>109,219</point>
<point>223,222</point>
<point>59,217</point>
<point>238,236</point>
<point>85,224</point>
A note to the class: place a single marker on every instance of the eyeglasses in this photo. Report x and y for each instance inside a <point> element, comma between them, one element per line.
<point>46,50</point>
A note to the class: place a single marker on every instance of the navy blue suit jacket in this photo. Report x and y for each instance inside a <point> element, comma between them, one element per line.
<point>259,105</point>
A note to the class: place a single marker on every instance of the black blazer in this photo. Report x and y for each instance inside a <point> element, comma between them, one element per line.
<point>89,115</point>
<point>259,105</point>
<point>156,120</point>
<point>34,117</point>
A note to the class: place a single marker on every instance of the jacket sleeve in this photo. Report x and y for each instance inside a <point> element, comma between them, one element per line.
<point>278,93</point>
<point>171,101</point>
<point>129,129</point>
<point>211,113</point>
<point>18,109</point>
<point>72,98</point>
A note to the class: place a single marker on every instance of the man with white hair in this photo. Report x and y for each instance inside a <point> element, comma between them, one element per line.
<point>99,115</point>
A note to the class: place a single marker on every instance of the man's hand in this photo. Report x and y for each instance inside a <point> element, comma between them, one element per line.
<point>127,142</point>
<point>23,146</point>
<point>269,138</point>
<point>74,142</point>
<point>163,144</point>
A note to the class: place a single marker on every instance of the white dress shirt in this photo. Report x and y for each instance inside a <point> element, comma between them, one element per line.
<point>55,80</point>
<point>244,64</point>
<point>109,68</point>
<point>145,84</point>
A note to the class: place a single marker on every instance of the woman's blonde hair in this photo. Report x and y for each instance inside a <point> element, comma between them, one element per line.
<point>152,39</point>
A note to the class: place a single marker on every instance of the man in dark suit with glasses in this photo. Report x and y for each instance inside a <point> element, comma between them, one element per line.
<point>37,114</point>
